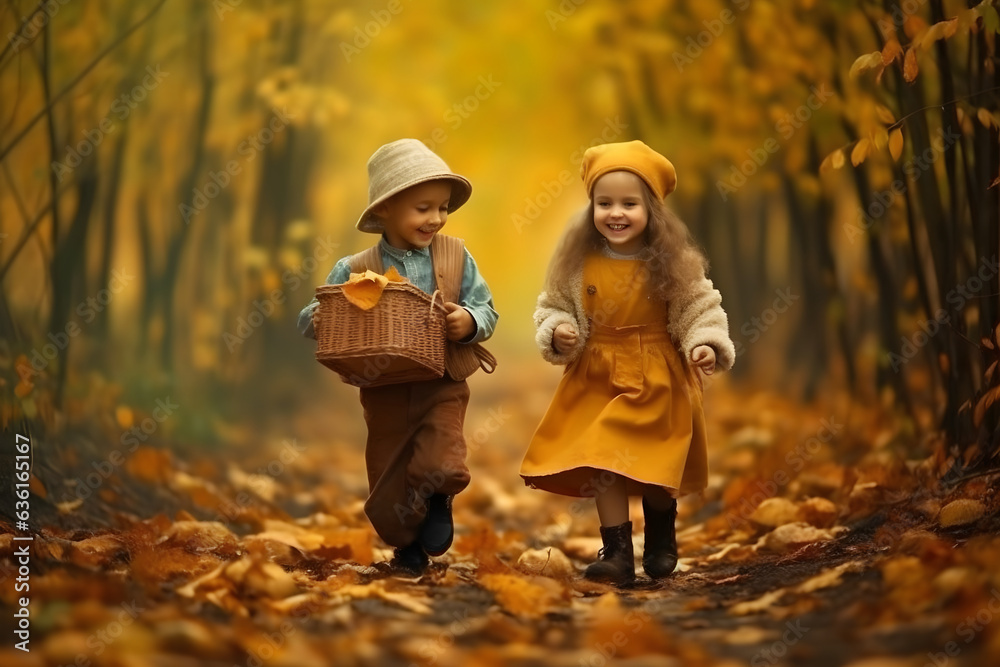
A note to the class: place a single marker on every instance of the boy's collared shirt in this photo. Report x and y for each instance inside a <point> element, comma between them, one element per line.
<point>416,266</point>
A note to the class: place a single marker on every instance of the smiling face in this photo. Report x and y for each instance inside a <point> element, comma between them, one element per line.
<point>412,217</point>
<point>620,211</point>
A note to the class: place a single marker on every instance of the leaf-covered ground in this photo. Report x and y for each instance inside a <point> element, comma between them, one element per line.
<point>815,544</point>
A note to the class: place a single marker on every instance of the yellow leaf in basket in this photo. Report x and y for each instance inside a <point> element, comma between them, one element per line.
<point>365,289</point>
<point>392,275</point>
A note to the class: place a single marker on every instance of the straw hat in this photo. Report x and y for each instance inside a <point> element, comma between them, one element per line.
<point>634,156</point>
<point>403,164</point>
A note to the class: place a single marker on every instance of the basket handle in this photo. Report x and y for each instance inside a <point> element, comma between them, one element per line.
<point>434,303</point>
<point>486,360</point>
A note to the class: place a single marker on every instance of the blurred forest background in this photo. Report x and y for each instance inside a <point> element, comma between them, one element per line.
<point>178,176</point>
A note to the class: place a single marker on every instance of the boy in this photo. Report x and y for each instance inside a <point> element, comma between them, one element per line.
<point>415,452</point>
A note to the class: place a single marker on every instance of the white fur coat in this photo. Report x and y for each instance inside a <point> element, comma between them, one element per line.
<point>696,318</point>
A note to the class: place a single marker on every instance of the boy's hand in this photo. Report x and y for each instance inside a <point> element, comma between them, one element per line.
<point>703,356</point>
<point>564,338</point>
<point>458,322</point>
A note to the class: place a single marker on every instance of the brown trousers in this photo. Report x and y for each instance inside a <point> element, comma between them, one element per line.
<point>415,448</point>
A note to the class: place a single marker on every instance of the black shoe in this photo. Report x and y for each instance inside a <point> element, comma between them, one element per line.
<point>616,561</point>
<point>659,556</point>
<point>438,528</point>
<point>410,559</point>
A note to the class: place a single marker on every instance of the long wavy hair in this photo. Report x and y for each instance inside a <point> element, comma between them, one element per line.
<point>670,253</point>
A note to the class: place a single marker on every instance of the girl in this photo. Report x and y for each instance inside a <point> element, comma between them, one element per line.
<point>628,309</point>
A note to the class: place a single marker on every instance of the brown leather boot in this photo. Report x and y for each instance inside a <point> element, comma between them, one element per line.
<point>616,561</point>
<point>659,557</point>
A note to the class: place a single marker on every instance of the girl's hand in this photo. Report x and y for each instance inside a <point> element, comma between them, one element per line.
<point>703,356</point>
<point>315,318</point>
<point>564,338</point>
<point>458,322</point>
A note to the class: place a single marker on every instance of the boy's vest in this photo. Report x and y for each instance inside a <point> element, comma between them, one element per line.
<point>448,258</point>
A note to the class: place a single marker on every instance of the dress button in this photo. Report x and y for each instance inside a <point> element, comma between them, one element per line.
<point>591,289</point>
<point>408,253</point>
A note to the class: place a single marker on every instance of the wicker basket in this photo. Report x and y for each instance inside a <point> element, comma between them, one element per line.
<point>401,339</point>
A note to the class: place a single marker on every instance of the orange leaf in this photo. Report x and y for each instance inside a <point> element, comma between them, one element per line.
<point>392,275</point>
<point>37,487</point>
<point>985,117</point>
<point>910,67</point>
<point>891,51</point>
<point>984,403</point>
<point>896,143</point>
<point>522,596</point>
<point>860,151</point>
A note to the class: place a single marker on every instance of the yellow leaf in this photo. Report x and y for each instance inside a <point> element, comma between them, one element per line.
<point>520,595</point>
<point>984,117</point>
<point>762,603</point>
<point>865,63</point>
<point>950,27</point>
<point>884,114</point>
<point>860,151</point>
<point>910,67</point>
<point>896,143</point>
<point>837,159</point>
<point>830,578</point>
<point>881,138</point>
<point>960,512</point>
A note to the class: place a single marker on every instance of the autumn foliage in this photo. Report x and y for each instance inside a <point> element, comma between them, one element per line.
<point>178,176</point>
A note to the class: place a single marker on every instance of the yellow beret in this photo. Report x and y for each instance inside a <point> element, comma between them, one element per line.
<point>633,156</point>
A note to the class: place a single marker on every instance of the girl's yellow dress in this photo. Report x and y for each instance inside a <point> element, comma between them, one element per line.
<point>629,404</point>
